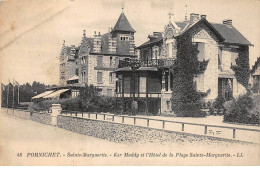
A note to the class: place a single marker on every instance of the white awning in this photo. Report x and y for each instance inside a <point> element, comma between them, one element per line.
<point>56,93</point>
<point>73,78</point>
<point>42,94</point>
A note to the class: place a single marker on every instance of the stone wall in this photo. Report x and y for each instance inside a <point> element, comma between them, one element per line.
<point>20,113</point>
<point>124,133</point>
<point>41,117</point>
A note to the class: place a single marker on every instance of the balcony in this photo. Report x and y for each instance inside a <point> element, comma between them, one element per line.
<point>146,63</point>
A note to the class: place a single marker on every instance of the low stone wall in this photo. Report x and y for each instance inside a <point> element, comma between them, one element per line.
<point>41,117</point>
<point>19,113</point>
<point>117,132</point>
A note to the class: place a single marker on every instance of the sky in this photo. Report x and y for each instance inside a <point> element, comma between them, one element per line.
<point>32,32</point>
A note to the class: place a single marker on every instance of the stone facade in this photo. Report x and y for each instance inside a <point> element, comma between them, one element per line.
<point>214,44</point>
<point>97,57</point>
<point>67,64</point>
<point>202,34</point>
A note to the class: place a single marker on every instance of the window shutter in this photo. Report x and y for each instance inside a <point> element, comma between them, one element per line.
<point>234,55</point>
<point>200,82</point>
<point>99,77</point>
<point>201,54</point>
<point>100,61</point>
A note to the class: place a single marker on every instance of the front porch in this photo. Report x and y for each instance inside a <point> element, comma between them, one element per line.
<point>148,82</point>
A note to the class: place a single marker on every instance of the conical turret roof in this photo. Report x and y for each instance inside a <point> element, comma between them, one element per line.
<point>122,24</point>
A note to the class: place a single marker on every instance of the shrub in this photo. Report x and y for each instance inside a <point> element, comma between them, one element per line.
<point>243,110</point>
<point>188,110</point>
<point>219,104</point>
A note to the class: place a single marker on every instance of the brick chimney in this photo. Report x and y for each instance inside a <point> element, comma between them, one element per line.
<point>228,22</point>
<point>203,16</point>
<point>194,17</point>
<point>97,42</point>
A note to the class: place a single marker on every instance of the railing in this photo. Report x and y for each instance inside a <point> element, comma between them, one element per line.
<point>104,116</point>
<point>146,63</point>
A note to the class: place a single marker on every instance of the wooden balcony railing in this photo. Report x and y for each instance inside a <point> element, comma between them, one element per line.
<point>146,63</point>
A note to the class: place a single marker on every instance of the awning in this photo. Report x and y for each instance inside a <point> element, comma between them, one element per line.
<point>56,93</point>
<point>42,94</point>
<point>73,78</point>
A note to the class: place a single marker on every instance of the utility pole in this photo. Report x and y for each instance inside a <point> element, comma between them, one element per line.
<point>7,94</point>
<point>13,95</point>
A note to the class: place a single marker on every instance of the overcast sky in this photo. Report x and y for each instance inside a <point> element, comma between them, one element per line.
<point>32,32</point>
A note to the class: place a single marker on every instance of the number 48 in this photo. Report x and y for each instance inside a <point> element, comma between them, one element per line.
<point>19,154</point>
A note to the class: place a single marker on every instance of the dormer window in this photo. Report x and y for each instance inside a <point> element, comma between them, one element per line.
<point>234,56</point>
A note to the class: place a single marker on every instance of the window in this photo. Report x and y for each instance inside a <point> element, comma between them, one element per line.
<point>100,61</point>
<point>142,86</point>
<point>124,38</point>
<point>84,77</point>
<point>167,50</point>
<point>77,71</point>
<point>200,82</point>
<point>155,54</point>
<point>110,77</point>
<point>219,56</point>
<point>127,84</point>
<point>109,92</point>
<point>234,55</point>
<point>119,84</point>
<point>201,54</point>
<point>99,77</point>
<point>110,61</point>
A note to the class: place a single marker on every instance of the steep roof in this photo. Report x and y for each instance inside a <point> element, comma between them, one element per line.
<point>122,24</point>
<point>231,34</point>
<point>228,34</point>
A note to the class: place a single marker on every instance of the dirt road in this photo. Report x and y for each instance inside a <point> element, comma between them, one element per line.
<point>24,142</point>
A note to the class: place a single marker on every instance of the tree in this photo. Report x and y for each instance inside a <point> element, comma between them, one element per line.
<point>186,99</point>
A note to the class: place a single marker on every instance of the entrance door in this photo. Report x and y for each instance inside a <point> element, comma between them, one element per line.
<point>225,88</point>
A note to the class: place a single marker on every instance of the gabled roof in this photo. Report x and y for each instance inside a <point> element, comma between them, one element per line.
<point>202,20</point>
<point>229,35</point>
<point>122,24</point>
